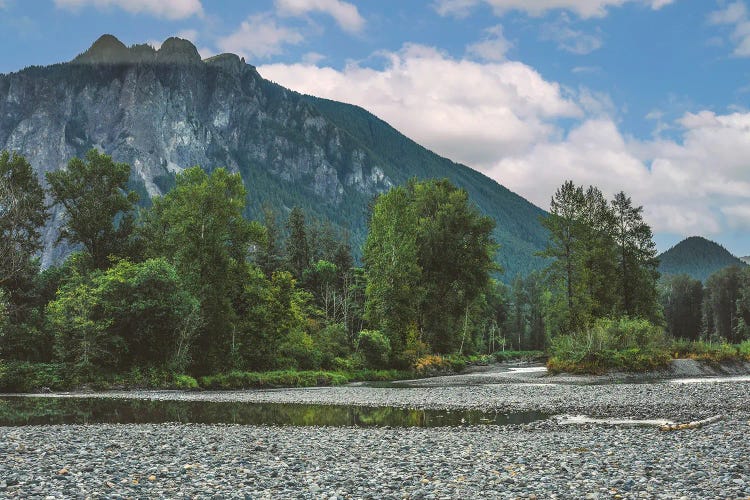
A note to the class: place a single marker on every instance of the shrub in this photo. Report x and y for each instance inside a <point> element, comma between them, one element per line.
<point>624,344</point>
<point>185,382</point>
<point>21,376</point>
<point>375,348</point>
<point>430,364</point>
<point>713,352</point>
<point>744,350</point>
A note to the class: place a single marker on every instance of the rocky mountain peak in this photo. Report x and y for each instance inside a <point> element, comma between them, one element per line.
<point>177,51</point>
<point>230,63</point>
<point>106,49</point>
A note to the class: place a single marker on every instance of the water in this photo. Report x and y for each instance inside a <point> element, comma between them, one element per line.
<point>22,410</point>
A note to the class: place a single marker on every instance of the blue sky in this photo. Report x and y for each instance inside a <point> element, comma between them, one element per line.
<point>647,96</point>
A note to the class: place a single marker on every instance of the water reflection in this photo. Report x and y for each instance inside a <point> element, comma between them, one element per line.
<point>20,410</point>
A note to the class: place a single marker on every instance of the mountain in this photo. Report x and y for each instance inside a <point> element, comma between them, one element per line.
<point>164,110</point>
<point>697,257</point>
<point>746,260</point>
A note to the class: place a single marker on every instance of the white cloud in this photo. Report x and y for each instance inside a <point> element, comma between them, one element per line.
<point>259,37</point>
<point>466,110</point>
<point>313,58</point>
<point>167,9</point>
<point>492,47</point>
<point>507,126</point>
<point>736,16</point>
<point>346,15</point>
<point>569,39</point>
<point>582,8</point>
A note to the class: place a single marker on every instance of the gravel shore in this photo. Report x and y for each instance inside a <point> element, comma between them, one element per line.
<point>543,459</point>
<point>540,460</point>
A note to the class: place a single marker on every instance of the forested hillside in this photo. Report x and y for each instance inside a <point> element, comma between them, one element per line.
<point>696,257</point>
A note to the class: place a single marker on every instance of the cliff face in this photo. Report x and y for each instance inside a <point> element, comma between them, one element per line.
<point>164,110</point>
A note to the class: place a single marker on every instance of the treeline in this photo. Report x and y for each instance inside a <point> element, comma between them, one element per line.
<point>188,285</point>
<point>718,311</point>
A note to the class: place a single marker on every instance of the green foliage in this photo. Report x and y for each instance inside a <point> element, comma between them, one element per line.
<point>604,260</point>
<point>22,376</point>
<point>722,295</point>
<point>131,314</point>
<point>22,216</point>
<point>621,344</point>
<point>428,257</point>
<point>200,228</point>
<point>259,380</point>
<point>97,205</point>
<point>714,352</point>
<point>518,232</point>
<point>185,382</point>
<point>374,347</point>
<point>681,298</point>
<point>297,248</point>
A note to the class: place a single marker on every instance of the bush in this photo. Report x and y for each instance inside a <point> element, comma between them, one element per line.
<point>622,344</point>
<point>185,382</point>
<point>285,378</point>
<point>21,376</point>
<point>744,350</point>
<point>713,352</point>
<point>375,348</point>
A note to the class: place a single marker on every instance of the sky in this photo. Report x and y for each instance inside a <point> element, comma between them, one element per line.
<point>645,96</point>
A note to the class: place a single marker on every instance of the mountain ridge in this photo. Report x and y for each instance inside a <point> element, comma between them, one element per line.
<point>163,110</point>
<point>697,257</point>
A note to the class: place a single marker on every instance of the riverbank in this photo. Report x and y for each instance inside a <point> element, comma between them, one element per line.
<point>545,458</point>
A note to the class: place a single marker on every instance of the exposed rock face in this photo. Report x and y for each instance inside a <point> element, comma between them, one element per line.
<point>165,110</point>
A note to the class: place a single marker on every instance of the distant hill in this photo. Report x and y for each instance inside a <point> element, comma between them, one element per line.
<point>697,257</point>
<point>746,260</point>
<point>165,110</point>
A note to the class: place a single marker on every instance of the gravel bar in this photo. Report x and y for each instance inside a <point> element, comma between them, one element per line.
<point>542,459</point>
<point>539,460</point>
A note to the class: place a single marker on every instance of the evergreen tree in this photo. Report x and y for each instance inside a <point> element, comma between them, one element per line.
<point>297,248</point>
<point>682,298</point>
<point>565,272</point>
<point>269,256</point>
<point>636,259</point>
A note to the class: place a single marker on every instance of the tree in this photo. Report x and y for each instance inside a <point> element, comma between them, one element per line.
<point>392,267</point>
<point>682,298</point>
<point>150,311</point>
<point>428,256</point>
<point>198,226</point>
<point>721,295</point>
<point>22,215</point>
<point>297,248</point>
<point>637,261</point>
<point>269,255</point>
<point>565,247</point>
<point>129,315</point>
<point>98,206</point>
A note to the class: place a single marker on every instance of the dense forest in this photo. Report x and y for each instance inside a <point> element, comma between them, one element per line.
<point>189,287</point>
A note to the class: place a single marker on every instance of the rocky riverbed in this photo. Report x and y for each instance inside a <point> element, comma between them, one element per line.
<point>543,459</point>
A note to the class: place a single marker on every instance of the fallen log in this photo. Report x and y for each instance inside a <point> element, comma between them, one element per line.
<point>697,424</point>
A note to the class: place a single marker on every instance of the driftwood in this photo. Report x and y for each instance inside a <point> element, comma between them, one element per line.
<point>697,424</point>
